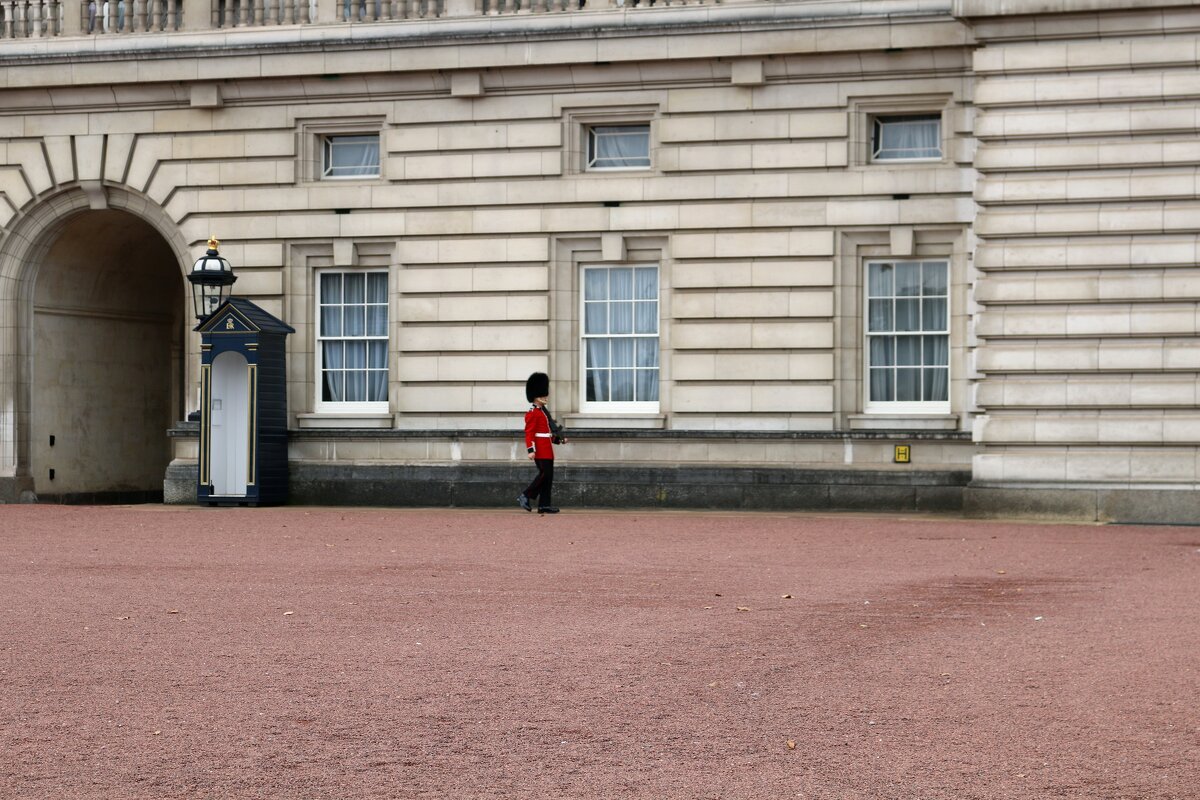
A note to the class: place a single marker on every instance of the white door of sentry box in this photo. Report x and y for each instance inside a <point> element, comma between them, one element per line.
<point>230,414</point>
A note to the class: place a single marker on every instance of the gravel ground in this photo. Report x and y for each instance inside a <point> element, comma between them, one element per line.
<point>166,652</point>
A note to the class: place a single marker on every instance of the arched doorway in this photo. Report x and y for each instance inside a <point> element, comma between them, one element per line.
<point>107,362</point>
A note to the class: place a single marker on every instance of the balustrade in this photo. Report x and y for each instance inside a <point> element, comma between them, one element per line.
<point>32,19</point>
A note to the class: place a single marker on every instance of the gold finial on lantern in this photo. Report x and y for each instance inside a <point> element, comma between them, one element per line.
<point>213,244</point>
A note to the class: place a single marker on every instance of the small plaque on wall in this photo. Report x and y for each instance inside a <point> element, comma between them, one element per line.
<point>903,454</point>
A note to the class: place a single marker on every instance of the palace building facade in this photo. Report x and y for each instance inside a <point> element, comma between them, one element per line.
<point>876,254</point>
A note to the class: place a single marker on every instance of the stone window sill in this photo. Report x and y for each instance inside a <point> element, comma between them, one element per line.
<point>903,422</point>
<point>614,421</point>
<point>316,421</point>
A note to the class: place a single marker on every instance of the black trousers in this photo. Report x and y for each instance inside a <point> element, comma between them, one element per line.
<point>542,484</point>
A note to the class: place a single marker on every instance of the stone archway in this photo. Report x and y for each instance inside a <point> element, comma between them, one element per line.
<point>97,355</point>
<point>107,360</point>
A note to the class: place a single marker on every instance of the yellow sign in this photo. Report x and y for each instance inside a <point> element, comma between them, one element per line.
<point>903,453</point>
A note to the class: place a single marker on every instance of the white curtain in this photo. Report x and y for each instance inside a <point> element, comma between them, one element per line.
<point>351,155</point>
<point>616,146</point>
<point>918,137</point>
<point>333,365</point>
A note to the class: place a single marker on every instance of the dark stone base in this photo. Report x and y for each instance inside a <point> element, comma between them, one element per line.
<point>1135,506</point>
<point>631,487</point>
<point>180,484</point>
<point>101,498</point>
<point>17,490</point>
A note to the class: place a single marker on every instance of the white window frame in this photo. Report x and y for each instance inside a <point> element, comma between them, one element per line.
<point>904,407</point>
<point>878,120</point>
<point>313,133</point>
<point>358,406</point>
<point>327,142</point>
<point>578,123</point>
<point>591,135</point>
<point>618,407</point>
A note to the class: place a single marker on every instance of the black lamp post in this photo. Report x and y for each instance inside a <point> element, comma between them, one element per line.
<point>211,279</point>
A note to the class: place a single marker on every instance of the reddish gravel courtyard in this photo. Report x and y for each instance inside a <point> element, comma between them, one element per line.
<point>160,652</point>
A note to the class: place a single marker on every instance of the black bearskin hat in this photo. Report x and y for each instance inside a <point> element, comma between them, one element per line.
<point>538,385</point>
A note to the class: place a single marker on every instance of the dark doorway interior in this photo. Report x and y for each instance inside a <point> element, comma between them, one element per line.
<point>107,361</point>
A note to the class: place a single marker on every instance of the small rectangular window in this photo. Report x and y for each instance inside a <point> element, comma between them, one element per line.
<point>352,339</point>
<point>620,337</point>
<point>902,138</point>
<point>908,334</point>
<point>351,156</point>
<point>618,147</point>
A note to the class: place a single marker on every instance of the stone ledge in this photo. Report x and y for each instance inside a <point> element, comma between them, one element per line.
<point>633,487</point>
<point>1084,504</point>
<point>183,430</point>
<point>635,433</point>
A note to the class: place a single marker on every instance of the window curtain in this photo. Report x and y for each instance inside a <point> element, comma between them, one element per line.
<point>909,138</point>
<point>352,155</point>
<point>333,365</point>
<point>620,146</point>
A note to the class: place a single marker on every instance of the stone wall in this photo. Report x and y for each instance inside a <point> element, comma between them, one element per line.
<point>1087,255</point>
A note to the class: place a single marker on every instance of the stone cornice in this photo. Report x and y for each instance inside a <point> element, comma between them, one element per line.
<point>1014,8</point>
<point>497,31</point>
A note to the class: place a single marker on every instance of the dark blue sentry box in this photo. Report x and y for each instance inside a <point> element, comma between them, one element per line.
<point>243,406</point>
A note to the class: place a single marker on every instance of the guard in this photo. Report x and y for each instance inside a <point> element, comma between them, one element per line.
<point>541,434</point>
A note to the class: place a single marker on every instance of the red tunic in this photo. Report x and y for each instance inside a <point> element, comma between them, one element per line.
<point>538,438</point>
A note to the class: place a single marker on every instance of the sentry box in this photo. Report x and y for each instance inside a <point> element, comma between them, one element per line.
<point>243,406</point>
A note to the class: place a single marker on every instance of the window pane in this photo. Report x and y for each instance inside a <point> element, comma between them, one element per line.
<point>595,284</point>
<point>645,317</point>
<point>377,386</point>
<point>647,385</point>
<point>597,353</point>
<point>647,283</point>
<point>620,283</point>
<point>908,385</point>
<point>647,352</point>
<point>881,385</point>
<point>331,287</point>
<point>351,156</point>
<point>937,382</point>
<point>616,146</point>
<point>377,355</point>
<point>908,315</point>
<point>356,387</point>
<point>908,280</point>
<point>620,318</point>
<point>622,352</point>
<point>355,320</point>
<point>356,288</point>
<point>597,385</point>
<point>934,278</point>
<point>622,386</point>
<point>907,137</point>
<point>937,350</point>
<point>908,351</point>
<point>334,387</point>
<point>376,320</point>
<point>880,315</point>
<point>377,287</point>
<point>331,321</point>
<point>356,355</point>
<point>879,280</point>
<point>883,351</point>
<point>933,315</point>
<point>595,318</point>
